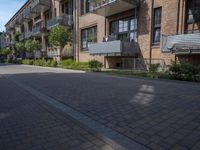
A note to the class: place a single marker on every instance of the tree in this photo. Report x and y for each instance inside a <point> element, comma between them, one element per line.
<point>60,36</point>
<point>16,37</point>
<point>31,45</point>
<point>20,46</point>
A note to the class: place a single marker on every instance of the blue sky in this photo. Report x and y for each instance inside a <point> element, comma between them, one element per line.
<point>7,9</point>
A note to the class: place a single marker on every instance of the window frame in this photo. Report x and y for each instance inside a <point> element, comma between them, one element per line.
<point>87,38</point>
<point>116,31</point>
<point>157,23</point>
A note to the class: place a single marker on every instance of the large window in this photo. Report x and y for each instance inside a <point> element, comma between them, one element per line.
<point>124,29</point>
<point>88,36</point>
<point>157,25</point>
<point>193,16</point>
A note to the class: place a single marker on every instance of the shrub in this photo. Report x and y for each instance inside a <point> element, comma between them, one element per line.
<point>67,62</point>
<point>27,62</point>
<point>53,63</point>
<point>95,65</point>
<point>154,68</point>
<point>39,62</point>
<point>184,71</point>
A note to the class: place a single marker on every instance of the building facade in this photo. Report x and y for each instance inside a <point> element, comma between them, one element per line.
<point>119,33</point>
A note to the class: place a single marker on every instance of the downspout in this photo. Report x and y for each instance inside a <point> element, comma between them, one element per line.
<point>74,30</point>
<point>151,33</point>
<point>177,25</point>
<point>178,13</point>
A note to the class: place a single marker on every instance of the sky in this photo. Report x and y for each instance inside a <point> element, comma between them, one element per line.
<point>7,9</point>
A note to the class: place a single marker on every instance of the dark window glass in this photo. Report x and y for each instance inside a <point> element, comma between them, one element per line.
<point>157,25</point>
<point>88,36</point>
<point>85,6</point>
<point>193,16</point>
<point>124,29</point>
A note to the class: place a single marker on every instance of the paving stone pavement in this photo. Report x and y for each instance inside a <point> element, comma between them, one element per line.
<point>157,114</point>
<point>27,125</point>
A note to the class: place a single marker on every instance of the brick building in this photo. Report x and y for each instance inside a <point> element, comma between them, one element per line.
<point>119,33</point>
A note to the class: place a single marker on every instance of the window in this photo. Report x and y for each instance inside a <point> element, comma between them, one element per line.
<point>88,36</point>
<point>193,16</point>
<point>124,29</point>
<point>66,8</point>
<point>85,6</point>
<point>157,25</point>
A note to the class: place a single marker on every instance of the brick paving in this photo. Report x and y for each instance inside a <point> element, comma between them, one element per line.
<point>154,113</point>
<point>27,125</point>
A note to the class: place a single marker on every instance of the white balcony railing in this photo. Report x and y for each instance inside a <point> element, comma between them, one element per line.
<point>181,43</point>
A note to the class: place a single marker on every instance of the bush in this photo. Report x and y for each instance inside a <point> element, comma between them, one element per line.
<point>27,62</point>
<point>95,65</point>
<point>53,63</point>
<point>39,62</point>
<point>184,71</point>
<point>67,62</point>
<point>154,68</point>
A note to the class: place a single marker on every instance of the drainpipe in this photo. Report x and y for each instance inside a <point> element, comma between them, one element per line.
<point>74,30</point>
<point>151,33</point>
<point>178,13</point>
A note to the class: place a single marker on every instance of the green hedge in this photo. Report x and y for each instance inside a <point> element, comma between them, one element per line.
<point>40,62</point>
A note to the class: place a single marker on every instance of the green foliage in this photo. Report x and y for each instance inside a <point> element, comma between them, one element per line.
<point>59,36</point>
<point>6,52</point>
<point>95,65</point>
<point>27,62</point>
<point>70,64</point>
<point>154,68</point>
<point>184,71</point>
<point>16,37</point>
<point>39,62</point>
<point>20,46</point>
<point>31,45</point>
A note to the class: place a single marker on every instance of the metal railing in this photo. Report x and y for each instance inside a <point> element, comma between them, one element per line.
<point>36,29</point>
<point>170,43</point>
<point>21,37</point>
<point>28,35</point>
<point>36,3</point>
<point>65,20</point>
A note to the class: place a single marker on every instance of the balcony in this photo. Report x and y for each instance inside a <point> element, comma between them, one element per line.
<point>66,20</point>
<point>110,7</point>
<point>36,30</point>
<point>28,35</point>
<point>114,48</point>
<point>21,37</point>
<point>27,13</point>
<point>38,6</point>
<point>181,44</point>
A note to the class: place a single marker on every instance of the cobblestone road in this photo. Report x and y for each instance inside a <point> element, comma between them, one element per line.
<point>156,114</point>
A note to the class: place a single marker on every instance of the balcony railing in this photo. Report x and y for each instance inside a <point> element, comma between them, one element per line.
<point>114,48</point>
<point>21,37</point>
<point>35,4</point>
<point>36,30</point>
<point>181,44</point>
<point>112,6</point>
<point>66,20</point>
<point>28,35</point>
<point>27,12</point>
